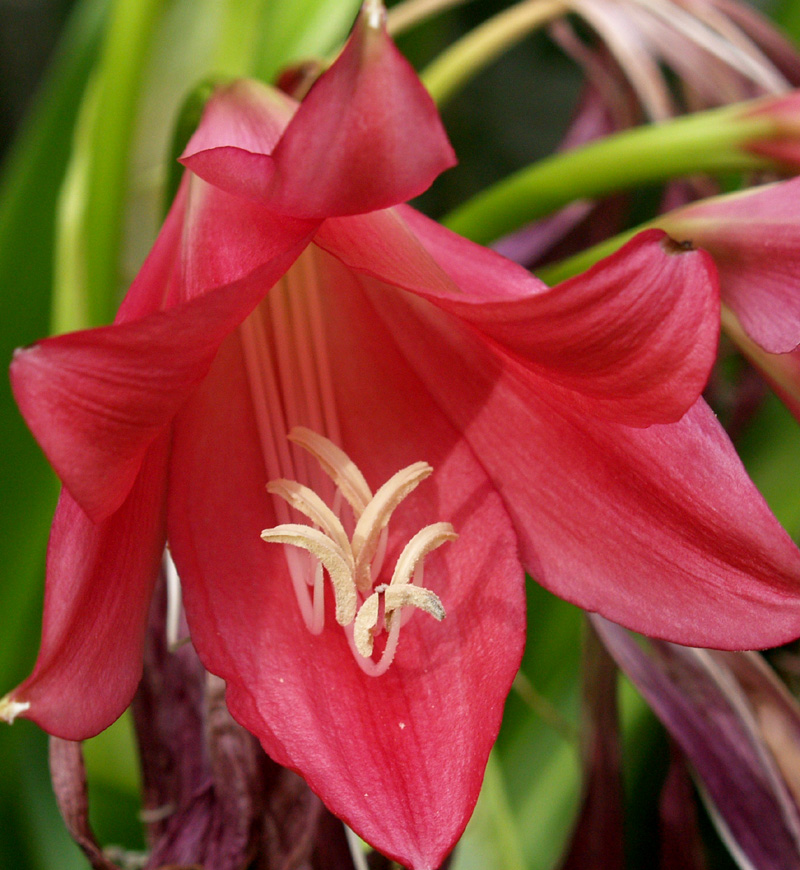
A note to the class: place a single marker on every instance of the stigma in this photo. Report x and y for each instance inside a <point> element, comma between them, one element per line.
<point>353,560</point>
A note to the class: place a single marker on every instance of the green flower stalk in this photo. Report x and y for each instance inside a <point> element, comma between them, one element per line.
<point>478,48</point>
<point>737,138</point>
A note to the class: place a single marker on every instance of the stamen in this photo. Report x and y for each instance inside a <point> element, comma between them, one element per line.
<point>289,369</point>
<point>339,566</point>
<point>366,621</point>
<point>310,504</point>
<point>318,616</point>
<point>425,541</point>
<point>269,419</point>
<point>354,564</point>
<point>377,515</point>
<point>174,605</point>
<point>316,321</point>
<point>337,465</point>
<point>400,592</point>
<point>394,598</point>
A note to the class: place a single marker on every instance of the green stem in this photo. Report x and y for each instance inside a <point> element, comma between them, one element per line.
<point>709,142</point>
<point>470,54</point>
<point>119,78</point>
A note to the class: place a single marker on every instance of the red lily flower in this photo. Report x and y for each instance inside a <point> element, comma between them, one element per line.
<point>288,294</point>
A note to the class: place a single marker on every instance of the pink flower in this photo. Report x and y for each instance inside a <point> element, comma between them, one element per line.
<point>556,430</point>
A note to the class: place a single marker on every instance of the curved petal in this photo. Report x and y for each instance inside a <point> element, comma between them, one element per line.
<point>96,399</point>
<point>240,127</point>
<point>754,238</point>
<point>400,757</point>
<point>631,340</point>
<point>659,529</point>
<point>226,239</point>
<point>100,579</point>
<point>780,370</point>
<point>367,136</point>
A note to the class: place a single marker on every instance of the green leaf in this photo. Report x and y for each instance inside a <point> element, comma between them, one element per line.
<point>530,793</point>
<point>28,192</point>
<point>103,150</point>
<point>301,29</point>
<point>491,841</point>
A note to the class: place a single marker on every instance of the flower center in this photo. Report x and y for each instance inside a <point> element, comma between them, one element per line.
<point>353,562</point>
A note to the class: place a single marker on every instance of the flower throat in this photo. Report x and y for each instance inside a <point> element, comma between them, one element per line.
<point>291,385</point>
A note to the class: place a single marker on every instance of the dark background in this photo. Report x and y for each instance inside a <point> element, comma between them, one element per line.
<point>28,33</point>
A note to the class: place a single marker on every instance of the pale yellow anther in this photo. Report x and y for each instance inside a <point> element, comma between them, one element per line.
<point>425,541</point>
<point>377,514</point>
<point>337,465</point>
<point>309,503</point>
<point>331,555</point>
<point>9,710</point>
<point>395,598</point>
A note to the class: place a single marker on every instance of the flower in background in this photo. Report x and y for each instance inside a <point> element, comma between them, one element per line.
<point>660,59</point>
<point>754,238</point>
<point>304,360</point>
<point>649,62</point>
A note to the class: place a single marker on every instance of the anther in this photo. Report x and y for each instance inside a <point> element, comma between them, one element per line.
<point>309,503</point>
<point>335,560</point>
<point>401,592</point>
<point>337,465</point>
<point>377,514</point>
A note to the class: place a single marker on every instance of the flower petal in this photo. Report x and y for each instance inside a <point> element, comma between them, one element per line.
<point>399,757</point>
<point>632,340</point>
<point>100,578</point>
<point>754,238</point>
<point>780,144</point>
<point>96,399</point>
<point>659,529</point>
<point>367,136</point>
<point>241,125</point>
<point>781,370</point>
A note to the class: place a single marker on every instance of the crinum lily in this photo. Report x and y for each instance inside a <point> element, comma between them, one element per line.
<point>290,288</point>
